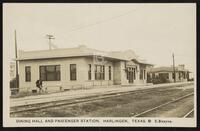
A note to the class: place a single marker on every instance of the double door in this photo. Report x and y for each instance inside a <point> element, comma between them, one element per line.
<point>130,78</point>
<point>131,75</point>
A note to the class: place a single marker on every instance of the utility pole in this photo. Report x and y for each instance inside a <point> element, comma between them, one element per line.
<point>174,68</point>
<point>17,75</point>
<point>50,37</point>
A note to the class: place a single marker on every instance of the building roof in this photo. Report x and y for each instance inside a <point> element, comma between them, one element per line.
<point>165,69</point>
<point>77,52</point>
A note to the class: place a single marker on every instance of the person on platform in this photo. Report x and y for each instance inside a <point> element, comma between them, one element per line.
<point>39,85</point>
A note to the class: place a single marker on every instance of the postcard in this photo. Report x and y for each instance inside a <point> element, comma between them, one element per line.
<point>98,64</point>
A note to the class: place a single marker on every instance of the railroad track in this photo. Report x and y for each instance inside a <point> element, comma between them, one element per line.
<point>165,104</point>
<point>189,113</point>
<point>71,102</point>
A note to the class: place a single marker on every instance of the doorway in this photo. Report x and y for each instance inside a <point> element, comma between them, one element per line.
<point>130,78</point>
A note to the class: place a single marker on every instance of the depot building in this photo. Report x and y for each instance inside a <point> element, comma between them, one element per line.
<point>79,67</point>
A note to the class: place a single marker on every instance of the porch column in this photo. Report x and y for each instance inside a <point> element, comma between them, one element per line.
<point>92,72</point>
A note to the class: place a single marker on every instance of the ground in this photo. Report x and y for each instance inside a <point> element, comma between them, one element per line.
<point>122,105</point>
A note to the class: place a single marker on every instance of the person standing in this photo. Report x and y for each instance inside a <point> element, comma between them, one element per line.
<point>38,85</point>
<point>40,82</point>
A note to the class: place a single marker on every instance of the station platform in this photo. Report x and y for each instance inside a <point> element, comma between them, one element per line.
<point>73,94</point>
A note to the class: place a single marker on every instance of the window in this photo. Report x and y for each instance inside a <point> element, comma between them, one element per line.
<point>173,75</point>
<point>89,72</point>
<point>50,73</point>
<point>164,76</point>
<point>72,71</point>
<point>103,72</point>
<point>109,72</point>
<point>99,72</point>
<point>127,75</point>
<point>134,73</point>
<point>141,74</point>
<point>131,73</point>
<point>27,73</point>
<point>144,74</point>
<point>167,76</point>
<point>153,75</point>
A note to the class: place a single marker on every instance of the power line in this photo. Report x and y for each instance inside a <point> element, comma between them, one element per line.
<point>186,56</point>
<point>103,21</point>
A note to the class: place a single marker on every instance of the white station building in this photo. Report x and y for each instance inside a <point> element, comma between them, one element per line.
<point>79,67</point>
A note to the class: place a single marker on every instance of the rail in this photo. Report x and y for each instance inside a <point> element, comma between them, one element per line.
<point>70,102</point>
<point>162,105</point>
<point>188,113</point>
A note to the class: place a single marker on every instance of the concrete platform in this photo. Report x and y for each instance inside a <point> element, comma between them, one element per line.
<point>72,94</point>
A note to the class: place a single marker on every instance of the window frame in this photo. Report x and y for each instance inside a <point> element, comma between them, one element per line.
<point>173,75</point>
<point>55,72</point>
<point>141,74</point>
<point>73,72</point>
<point>99,72</point>
<point>27,74</point>
<point>90,72</point>
<point>144,74</point>
<point>109,72</point>
<point>134,75</point>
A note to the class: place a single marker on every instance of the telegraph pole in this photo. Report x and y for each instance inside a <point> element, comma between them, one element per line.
<point>17,75</point>
<point>50,37</point>
<point>174,68</point>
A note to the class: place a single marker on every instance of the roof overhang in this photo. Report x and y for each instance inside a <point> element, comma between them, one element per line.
<point>72,56</point>
<point>168,71</point>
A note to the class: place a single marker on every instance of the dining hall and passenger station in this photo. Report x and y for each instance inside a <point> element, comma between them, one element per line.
<point>79,67</point>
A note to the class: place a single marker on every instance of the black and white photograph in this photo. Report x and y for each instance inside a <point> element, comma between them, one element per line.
<point>99,64</point>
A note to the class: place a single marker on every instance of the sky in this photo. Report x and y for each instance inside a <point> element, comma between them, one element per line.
<point>152,31</point>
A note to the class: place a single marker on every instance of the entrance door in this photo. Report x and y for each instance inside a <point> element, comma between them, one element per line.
<point>130,73</point>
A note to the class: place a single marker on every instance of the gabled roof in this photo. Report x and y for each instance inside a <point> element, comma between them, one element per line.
<point>58,53</point>
<point>77,52</point>
<point>126,55</point>
<point>142,62</point>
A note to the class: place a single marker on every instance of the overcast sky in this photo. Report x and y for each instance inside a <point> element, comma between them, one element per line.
<point>152,31</point>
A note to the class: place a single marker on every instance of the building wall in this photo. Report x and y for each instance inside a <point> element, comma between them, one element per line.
<point>93,62</point>
<point>144,79</point>
<point>82,66</point>
<point>123,75</point>
<point>120,77</point>
<point>181,79</point>
<point>52,85</point>
<point>171,79</point>
<point>118,73</point>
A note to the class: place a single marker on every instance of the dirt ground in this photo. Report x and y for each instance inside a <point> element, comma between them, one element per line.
<point>120,106</point>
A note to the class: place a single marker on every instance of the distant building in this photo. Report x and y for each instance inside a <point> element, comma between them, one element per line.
<point>167,73</point>
<point>12,70</point>
<point>80,67</point>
